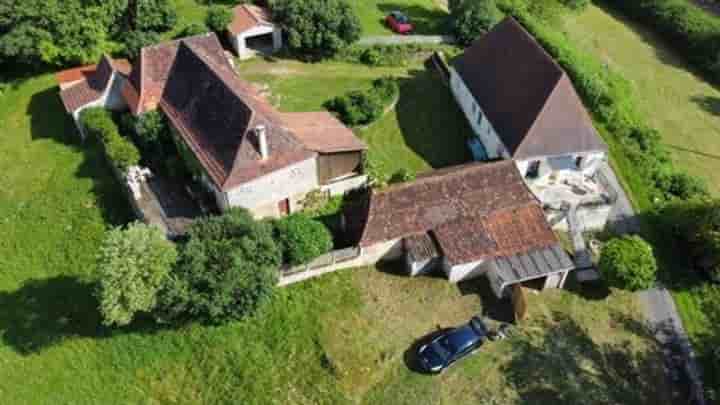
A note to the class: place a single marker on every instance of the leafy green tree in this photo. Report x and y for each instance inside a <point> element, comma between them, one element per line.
<point>191,30</point>
<point>154,15</point>
<point>133,264</point>
<point>302,238</point>
<point>226,270</point>
<point>628,262</point>
<point>317,27</point>
<point>473,18</point>
<point>218,17</point>
<point>137,40</point>
<point>153,134</point>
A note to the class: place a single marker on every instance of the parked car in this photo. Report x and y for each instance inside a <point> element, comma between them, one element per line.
<point>399,22</point>
<point>452,345</point>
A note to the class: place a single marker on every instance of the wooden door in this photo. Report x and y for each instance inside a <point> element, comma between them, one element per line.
<point>284,207</point>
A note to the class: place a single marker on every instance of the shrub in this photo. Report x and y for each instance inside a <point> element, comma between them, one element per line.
<point>136,40</point>
<point>155,16</point>
<point>371,56</point>
<point>361,107</point>
<point>302,239</point>
<point>99,125</point>
<point>133,264</point>
<point>218,17</point>
<point>226,270</point>
<point>628,262</point>
<point>680,185</point>
<point>402,176</point>
<point>473,18</point>
<point>191,30</point>
<point>153,132</point>
<point>576,5</point>
<point>317,27</point>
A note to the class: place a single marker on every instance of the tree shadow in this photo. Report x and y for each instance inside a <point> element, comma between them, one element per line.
<point>494,308</point>
<point>565,365</point>
<point>48,120</point>
<point>427,21</point>
<point>430,120</point>
<point>46,312</point>
<point>710,104</point>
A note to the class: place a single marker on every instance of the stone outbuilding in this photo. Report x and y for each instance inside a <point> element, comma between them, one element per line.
<point>252,31</point>
<point>466,221</point>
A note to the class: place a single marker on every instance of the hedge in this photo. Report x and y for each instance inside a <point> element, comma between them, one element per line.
<point>302,238</point>
<point>610,98</point>
<point>692,31</point>
<point>99,125</point>
<point>628,262</point>
<point>361,107</point>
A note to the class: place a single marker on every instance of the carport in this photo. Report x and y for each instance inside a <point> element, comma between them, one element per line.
<point>550,265</point>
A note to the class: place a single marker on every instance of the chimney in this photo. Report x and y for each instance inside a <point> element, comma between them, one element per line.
<point>261,133</point>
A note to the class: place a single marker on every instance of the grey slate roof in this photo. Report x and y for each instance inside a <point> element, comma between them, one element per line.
<point>533,264</point>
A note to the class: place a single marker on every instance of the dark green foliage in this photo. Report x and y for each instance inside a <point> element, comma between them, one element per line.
<point>192,30</point>
<point>694,32</point>
<point>317,28</point>
<point>134,41</point>
<point>370,56</point>
<point>218,17</point>
<point>154,16</point>
<point>576,5</point>
<point>302,239</point>
<point>153,134</point>
<point>472,18</point>
<point>392,55</point>
<point>361,107</point>
<point>98,125</point>
<point>226,270</point>
<point>402,176</point>
<point>680,185</point>
<point>628,262</point>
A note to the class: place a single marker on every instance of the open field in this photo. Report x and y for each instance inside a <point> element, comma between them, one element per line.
<point>426,129</point>
<point>676,101</point>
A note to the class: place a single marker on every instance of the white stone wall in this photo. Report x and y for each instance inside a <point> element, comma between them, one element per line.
<point>388,250</point>
<point>343,186</point>
<point>262,195</point>
<point>466,271</point>
<point>481,126</point>
<point>240,46</point>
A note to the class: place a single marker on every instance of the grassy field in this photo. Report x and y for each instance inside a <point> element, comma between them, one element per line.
<point>676,101</point>
<point>426,129</point>
<point>428,16</point>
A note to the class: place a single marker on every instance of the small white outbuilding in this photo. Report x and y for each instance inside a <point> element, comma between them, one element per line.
<point>252,31</point>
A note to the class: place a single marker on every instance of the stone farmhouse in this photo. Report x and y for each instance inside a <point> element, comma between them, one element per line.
<point>244,151</point>
<point>469,220</point>
<point>522,106</point>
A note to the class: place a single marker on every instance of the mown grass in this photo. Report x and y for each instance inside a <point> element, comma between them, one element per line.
<point>428,16</point>
<point>676,101</point>
<point>425,130</point>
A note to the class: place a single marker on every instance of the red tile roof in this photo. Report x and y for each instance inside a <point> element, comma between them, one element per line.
<point>526,95</point>
<point>475,211</point>
<point>247,16</point>
<point>322,132</point>
<point>92,82</point>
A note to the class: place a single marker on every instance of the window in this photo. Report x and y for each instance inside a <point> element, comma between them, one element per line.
<point>533,170</point>
<point>579,162</point>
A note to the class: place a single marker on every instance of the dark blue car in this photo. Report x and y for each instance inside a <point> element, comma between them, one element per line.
<point>452,345</point>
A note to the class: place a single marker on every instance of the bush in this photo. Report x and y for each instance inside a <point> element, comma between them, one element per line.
<point>99,125</point>
<point>191,30</point>
<point>392,55</point>
<point>218,18</point>
<point>226,270</point>
<point>473,18</point>
<point>576,5</point>
<point>628,262</point>
<point>153,134</point>
<point>371,56</point>
<point>136,40</point>
<point>155,16</point>
<point>318,28</point>
<point>361,107</point>
<point>302,239</point>
<point>133,264</point>
<point>402,176</point>
<point>680,185</point>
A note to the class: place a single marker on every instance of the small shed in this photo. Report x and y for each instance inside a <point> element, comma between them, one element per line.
<point>550,263</point>
<point>252,31</point>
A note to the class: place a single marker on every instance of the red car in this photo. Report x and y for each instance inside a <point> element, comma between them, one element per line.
<point>399,22</point>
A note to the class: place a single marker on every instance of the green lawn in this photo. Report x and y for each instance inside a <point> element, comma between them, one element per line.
<point>425,130</point>
<point>428,16</point>
<point>676,101</point>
